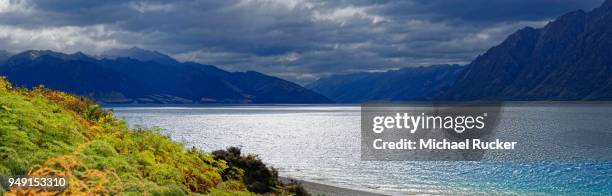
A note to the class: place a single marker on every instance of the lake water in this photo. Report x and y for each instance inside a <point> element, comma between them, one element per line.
<point>322,144</point>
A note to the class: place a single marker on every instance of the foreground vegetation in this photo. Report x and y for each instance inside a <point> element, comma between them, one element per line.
<point>51,133</point>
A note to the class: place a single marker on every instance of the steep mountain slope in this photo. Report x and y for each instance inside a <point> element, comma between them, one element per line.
<point>568,59</point>
<point>128,80</point>
<point>413,83</point>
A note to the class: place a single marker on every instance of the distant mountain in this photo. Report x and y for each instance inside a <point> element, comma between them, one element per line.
<point>138,54</point>
<point>129,80</point>
<point>568,59</point>
<point>412,83</point>
<point>4,55</point>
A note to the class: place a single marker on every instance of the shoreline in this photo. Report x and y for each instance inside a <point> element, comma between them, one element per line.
<point>316,188</point>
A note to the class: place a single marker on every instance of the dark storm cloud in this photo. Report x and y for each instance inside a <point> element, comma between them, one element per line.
<point>295,39</point>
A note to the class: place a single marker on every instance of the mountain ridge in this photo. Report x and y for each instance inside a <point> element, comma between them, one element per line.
<point>128,80</point>
<point>138,54</point>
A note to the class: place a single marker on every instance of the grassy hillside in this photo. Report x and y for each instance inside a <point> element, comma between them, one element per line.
<point>50,133</point>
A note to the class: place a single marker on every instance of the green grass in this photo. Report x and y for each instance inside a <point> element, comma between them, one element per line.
<point>45,132</point>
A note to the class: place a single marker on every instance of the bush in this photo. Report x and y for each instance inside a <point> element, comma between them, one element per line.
<point>257,177</point>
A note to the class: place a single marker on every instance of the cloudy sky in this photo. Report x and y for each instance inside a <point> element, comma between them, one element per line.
<point>299,40</point>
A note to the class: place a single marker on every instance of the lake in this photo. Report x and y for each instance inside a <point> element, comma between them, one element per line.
<point>321,143</point>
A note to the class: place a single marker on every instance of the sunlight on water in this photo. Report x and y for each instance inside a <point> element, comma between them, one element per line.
<point>321,144</point>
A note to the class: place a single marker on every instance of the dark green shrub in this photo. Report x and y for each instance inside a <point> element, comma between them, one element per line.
<point>257,176</point>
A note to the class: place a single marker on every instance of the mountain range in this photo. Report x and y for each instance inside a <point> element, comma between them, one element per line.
<point>570,58</point>
<point>139,76</point>
<point>410,83</point>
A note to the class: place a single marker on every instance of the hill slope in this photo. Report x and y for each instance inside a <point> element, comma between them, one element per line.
<point>49,133</point>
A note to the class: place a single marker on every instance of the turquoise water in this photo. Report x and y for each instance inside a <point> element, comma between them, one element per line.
<point>321,144</point>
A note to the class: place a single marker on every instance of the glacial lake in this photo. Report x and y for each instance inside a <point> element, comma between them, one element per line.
<point>321,143</point>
